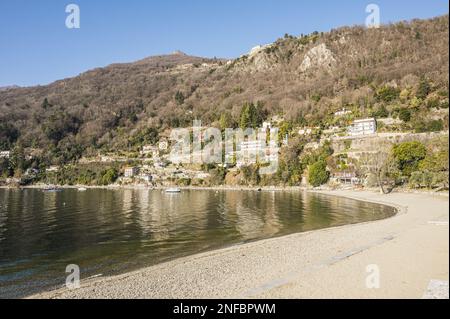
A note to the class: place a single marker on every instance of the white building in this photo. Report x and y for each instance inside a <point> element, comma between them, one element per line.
<point>131,171</point>
<point>252,147</point>
<point>5,154</point>
<point>106,159</point>
<point>53,168</point>
<point>146,177</point>
<point>305,131</point>
<point>252,151</point>
<point>202,175</point>
<point>346,178</point>
<point>363,127</point>
<point>342,112</point>
<point>271,157</point>
<point>248,152</point>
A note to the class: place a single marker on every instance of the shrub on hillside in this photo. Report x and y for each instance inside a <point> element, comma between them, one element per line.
<point>318,174</point>
<point>408,156</point>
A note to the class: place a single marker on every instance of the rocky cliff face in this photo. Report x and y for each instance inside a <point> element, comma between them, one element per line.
<point>319,57</point>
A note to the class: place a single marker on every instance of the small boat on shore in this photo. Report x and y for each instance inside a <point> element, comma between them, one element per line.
<point>82,189</point>
<point>173,190</point>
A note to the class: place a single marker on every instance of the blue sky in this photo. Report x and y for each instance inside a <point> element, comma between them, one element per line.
<point>37,48</point>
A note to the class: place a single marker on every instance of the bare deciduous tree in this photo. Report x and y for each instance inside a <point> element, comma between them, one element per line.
<point>381,164</point>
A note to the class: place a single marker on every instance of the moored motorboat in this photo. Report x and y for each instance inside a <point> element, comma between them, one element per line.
<point>173,190</point>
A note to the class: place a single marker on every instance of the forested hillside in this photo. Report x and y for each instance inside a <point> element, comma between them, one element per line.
<point>399,70</point>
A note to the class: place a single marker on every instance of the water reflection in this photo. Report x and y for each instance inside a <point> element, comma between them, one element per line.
<point>110,231</point>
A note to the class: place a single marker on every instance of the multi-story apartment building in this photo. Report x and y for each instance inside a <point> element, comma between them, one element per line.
<point>363,127</point>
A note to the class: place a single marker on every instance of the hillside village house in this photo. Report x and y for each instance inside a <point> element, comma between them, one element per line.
<point>52,168</point>
<point>346,178</point>
<point>342,112</point>
<point>5,154</point>
<point>252,147</point>
<point>146,177</point>
<point>202,175</point>
<point>272,152</point>
<point>130,172</point>
<point>250,151</point>
<point>307,130</point>
<point>363,127</point>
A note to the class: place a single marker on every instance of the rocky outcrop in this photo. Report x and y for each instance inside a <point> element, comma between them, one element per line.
<point>319,57</point>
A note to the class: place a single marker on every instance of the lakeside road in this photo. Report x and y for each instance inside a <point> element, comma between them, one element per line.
<point>409,250</point>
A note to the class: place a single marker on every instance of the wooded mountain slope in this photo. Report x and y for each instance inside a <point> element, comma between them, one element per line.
<point>306,78</point>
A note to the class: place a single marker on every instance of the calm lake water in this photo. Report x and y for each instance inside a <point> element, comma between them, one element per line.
<point>113,231</point>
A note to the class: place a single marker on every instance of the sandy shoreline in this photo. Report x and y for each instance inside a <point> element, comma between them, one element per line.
<point>409,250</point>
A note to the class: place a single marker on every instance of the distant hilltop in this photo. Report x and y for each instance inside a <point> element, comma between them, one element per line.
<point>178,52</point>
